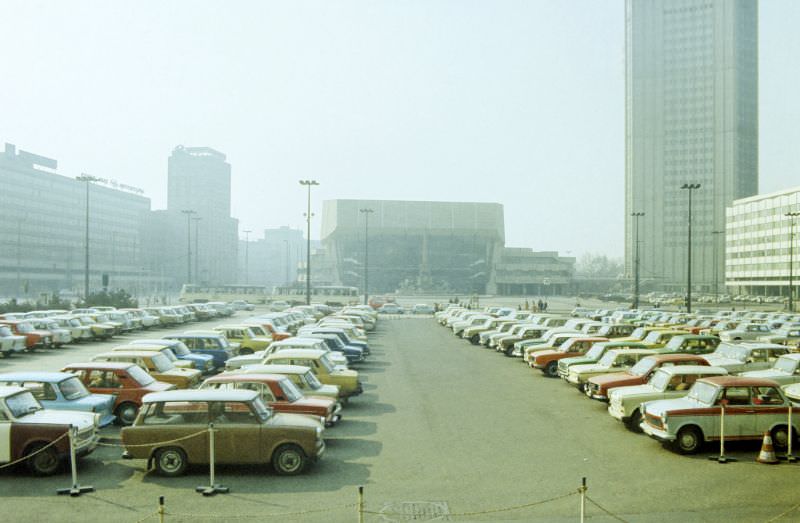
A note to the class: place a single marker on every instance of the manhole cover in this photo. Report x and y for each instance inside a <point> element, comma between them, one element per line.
<point>416,511</point>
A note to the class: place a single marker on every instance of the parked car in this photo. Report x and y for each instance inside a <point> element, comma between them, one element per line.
<point>547,360</point>
<point>390,308</point>
<point>745,332</point>
<point>597,351</point>
<point>753,406</point>
<point>62,391</point>
<point>261,356</point>
<point>156,364</point>
<point>163,349</point>
<point>743,357</point>
<point>321,366</point>
<point>126,381</point>
<point>301,376</point>
<point>615,360</point>
<point>665,383</point>
<point>213,344</point>
<point>10,342</point>
<point>25,427</point>
<point>202,362</point>
<point>248,432</point>
<point>785,370</point>
<point>422,308</point>
<point>34,338</point>
<point>280,393</point>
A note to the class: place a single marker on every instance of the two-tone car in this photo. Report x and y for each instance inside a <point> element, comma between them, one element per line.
<point>746,356</point>
<point>785,370</point>
<point>156,364</point>
<point>615,360</point>
<point>247,432</point>
<point>301,376</point>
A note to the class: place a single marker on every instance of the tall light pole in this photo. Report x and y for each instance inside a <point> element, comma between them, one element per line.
<point>188,213</point>
<point>366,213</point>
<point>690,187</point>
<point>246,254</point>
<point>309,184</point>
<point>636,216</point>
<point>196,248</point>
<point>791,216</point>
<point>87,179</point>
<point>716,265</point>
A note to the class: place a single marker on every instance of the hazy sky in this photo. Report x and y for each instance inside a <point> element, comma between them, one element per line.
<point>516,102</point>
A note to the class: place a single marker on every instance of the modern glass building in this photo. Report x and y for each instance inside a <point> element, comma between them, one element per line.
<point>758,245</point>
<point>691,116</point>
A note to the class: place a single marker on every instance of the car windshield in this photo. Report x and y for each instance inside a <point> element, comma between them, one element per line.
<point>140,375</point>
<point>24,328</point>
<point>290,390</point>
<point>675,343</point>
<point>638,333</point>
<point>608,359</point>
<point>733,352</point>
<point>703,392</point>
<point>180,349</point>
<point>653,337</point>
<point>311,380</point>
<point>161,362</point>
<point>786,364</point>
<point>325,362</point>
<point>223,342</point>
<point>5,331</point>
<point>643,367</point>
<point>22,404</point>
<point>660,380</point>
<point>73,389</point>
<point>596,351</point>
<point>261,409</point>
<point>169,354</point>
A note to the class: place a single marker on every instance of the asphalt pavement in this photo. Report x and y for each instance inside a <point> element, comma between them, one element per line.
<point>442,427</point>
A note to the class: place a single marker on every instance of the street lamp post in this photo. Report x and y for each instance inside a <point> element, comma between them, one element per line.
<point>188,213</point>
<point>791,216</point>
<point>246,254</point>
<point>690,187</point>
<point>716,265</point>
<point>196,221</point>
<point>87,179</point>
<point>636,216</point>
<point>366,213</point>
<point>309,184</point>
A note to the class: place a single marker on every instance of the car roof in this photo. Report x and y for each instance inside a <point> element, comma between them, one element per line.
<point>138,347</point>
<point>274,368</point>
<point>101,365</point>
<point>226,377</point>
<point>201,395</point>
<point>741,381</point>
<point>129,353</point>
<point>297,353</point>
<point>660,358</point>
<point>692,369</point>
<point>49,377</point>
<point>297,341</point>
<point>9,390</point>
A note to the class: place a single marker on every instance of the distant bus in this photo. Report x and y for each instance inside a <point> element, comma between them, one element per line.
<point>293,294</point>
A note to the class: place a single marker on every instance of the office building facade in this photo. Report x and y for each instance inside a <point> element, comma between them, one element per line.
<point>691,117</point>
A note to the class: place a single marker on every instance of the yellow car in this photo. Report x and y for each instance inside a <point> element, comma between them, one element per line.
<point>157,365</point>
<point>321,366</point>
<point>247,336</point>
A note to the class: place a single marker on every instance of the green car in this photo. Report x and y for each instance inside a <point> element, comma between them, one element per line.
<point>595,353</point>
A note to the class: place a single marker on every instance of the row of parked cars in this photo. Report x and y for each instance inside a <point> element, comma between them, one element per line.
<point>268,406</point>
<point>668,375</point>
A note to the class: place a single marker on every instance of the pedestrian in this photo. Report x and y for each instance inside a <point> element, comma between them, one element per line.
<point>545,306</point>
<point>541,305</point>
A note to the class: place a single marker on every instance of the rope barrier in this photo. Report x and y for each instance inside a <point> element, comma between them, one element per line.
<point>257,516</point>
<point>182,438</point>
<point>608,512</point>
<point>779,516</point>
<point>481,512</point>
<point>24,458</point>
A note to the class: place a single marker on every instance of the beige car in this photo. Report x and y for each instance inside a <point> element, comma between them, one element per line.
<point>181,364</point>
<point>301,376</point>
<point>321,366</point>
<point>157,365</point>
<point>247,432</point>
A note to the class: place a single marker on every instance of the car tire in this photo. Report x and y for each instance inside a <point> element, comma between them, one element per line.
<point>689,440</point>
<point>474,339</point>
<point>126,413</point>
<point>780,437</point>
<point>171,461</point>
<point>509,351</point>
<point>245,350</point>
<point>45,463</point>
<point>289,460</point>
<point>634,422</point>
<point>551,369</point>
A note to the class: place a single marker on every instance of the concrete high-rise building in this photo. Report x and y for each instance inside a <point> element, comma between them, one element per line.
<point>691,116</point>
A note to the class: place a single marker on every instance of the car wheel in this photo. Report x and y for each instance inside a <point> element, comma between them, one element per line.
<point>474,339</point>
<point>245,350</point>
<point>171,461</point>
<point>689,440</point>
<point>509,351</point>
<point>126,413</point>
<point>45,463</point>
<point>780,437</point>
<point>288,460</point>
<point>552,369</point>
<point>633,424</point>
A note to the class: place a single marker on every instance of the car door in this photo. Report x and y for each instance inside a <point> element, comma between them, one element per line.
<point>5,437</point>
<point>238,435</point>
<point>740,420</point>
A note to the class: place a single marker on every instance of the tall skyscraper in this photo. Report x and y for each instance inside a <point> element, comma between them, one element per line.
<point>691,116</point>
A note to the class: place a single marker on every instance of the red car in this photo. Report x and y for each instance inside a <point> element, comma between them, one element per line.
<point>547,360</point>
<point>127,381</point>
<point>280,393</point>
<point>34,338</point>
<point>598,386</point>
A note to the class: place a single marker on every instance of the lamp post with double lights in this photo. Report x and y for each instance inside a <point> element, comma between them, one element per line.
<point>246,255</point>
<point>791,216</point>
<point>88,180</point>
<point>309,184</point>
<point>689,187</point>
<point>188,213</point>
<point>636,216</point>
<point>366,213</point>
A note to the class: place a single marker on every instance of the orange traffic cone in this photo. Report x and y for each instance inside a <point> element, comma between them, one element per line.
<point>767,454</point>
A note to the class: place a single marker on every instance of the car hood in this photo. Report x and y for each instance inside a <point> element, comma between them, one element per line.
<point>590,367</point>
<point>81,420</point>
<point>720,361</point>
<point>92,400</point>
<point>315,403</point>
<point>618,378</point>
<point>328,390</point>
<point>766,373</point>
<point>632,391</point>
<point>159,386</point>
<point>280,419</point>
<point>661,407</point>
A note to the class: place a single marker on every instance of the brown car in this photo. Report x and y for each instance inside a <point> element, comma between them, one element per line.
<point>598,386</point>
<point>280,393</point>
<point>127,381</point>
<point>246,432</point>
<point>547,360</point>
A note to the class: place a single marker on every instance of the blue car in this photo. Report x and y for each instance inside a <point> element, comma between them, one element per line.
<point>214,345</point>
<point>202,362</point>
<point>63,391</point>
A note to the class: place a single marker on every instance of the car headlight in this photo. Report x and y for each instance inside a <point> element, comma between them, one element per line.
<point>319,432</point>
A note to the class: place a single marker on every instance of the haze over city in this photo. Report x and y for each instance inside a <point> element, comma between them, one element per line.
<point>519,103</point>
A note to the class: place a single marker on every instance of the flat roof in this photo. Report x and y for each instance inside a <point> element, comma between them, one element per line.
<point>201,395</point>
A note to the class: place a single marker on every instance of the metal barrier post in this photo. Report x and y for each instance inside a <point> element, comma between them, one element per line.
<point>722,458</point>
<point>582,489</point>
<point>791,458</point>
<point>212,487</point>
<point>160,509</point>
<point>361,504</point>
<point>75,490</point>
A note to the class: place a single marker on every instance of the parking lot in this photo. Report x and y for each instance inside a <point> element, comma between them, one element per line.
<point>440,421</point>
